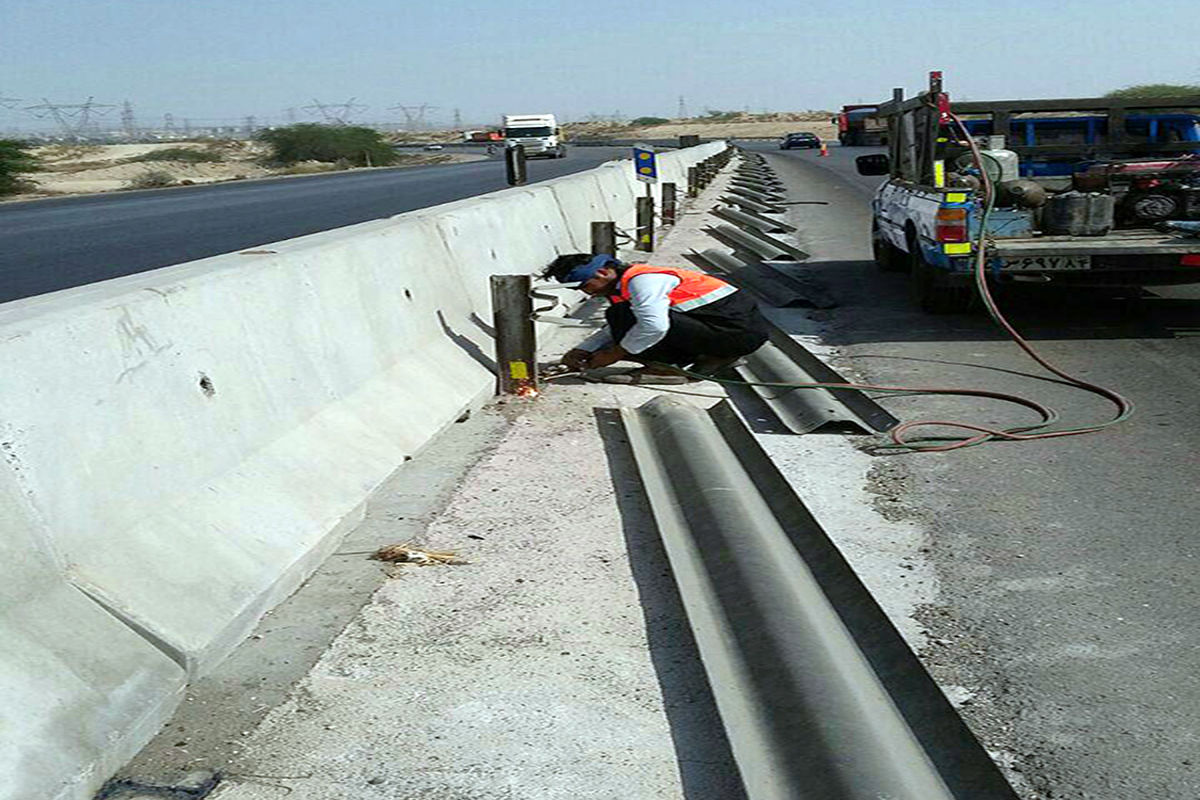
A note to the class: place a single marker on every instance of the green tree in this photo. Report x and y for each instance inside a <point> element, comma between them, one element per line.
<point>307,141</point>
<point>1157,90</point>
<point>650,121</point>
<point>15,159</point>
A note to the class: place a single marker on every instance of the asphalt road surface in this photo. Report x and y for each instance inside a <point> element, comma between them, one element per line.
<point>1069,602</point>
<point>47,245</point>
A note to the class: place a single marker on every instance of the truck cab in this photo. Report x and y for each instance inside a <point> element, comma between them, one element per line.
<point>538,134</point>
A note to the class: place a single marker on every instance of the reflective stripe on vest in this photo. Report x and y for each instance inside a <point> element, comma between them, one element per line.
<point>695,289</point>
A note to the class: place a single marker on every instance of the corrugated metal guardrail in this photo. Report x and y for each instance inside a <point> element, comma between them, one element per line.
<point>819,696</point>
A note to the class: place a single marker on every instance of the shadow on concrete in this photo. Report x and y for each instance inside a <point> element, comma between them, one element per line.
<point>471,349</point>
<point>706,766</point>
<point>483,326</point>
<point>877,307</point>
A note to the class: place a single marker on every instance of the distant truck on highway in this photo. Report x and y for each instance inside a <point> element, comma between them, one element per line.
<point>1088,192</point>
<point>539,134</point>
<point>860,126</point>
<point>482,136</point>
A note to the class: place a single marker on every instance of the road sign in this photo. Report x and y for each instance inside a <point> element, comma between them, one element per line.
<point>645,163</point>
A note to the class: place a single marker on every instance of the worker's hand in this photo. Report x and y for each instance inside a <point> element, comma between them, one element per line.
<point>609,355</point>
<point>577,359</point>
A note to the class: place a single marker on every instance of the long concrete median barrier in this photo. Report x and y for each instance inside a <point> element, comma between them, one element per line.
<point>81,691</point>
<point>183,447</point>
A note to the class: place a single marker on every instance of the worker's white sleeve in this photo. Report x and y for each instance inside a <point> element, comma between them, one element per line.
<point>597,341</point>
<point>650,303</point>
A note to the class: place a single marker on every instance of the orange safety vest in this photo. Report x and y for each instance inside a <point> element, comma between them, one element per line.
<point>695,289</point>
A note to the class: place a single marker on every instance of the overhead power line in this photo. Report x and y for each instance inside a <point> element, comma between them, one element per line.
<point>335,113</point>
<point>75,119</point>
<point>414,116</point>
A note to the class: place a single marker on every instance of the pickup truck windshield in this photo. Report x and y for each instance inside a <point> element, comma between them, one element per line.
<point>524,133</point>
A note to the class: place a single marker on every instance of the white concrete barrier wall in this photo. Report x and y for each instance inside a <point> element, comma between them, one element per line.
<point>183,447</point>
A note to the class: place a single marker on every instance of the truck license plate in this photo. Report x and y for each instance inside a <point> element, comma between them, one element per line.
<point>1047,263</point>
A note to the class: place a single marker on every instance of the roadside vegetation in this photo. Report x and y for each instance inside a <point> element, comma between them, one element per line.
<point>1157,90</point>
<point>152,179</point>
<point>355,146</point>
<point>15,159</point>
<point>187,155</point>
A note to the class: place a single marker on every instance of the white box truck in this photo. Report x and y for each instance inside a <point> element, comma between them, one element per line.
<point>539,134</point>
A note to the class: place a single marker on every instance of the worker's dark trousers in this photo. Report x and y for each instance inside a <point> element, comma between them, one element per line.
<point>726,328</point>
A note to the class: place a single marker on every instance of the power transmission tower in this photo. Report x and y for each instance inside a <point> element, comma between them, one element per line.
<point>335,113</point>
<point>682,108</point>
<point>249,125</point>
<point>128,123</point>
<point>457,118</point>
<point>291,114</point>
<point>75,119</point>
<point>168,123</point>
<point>414,116</point>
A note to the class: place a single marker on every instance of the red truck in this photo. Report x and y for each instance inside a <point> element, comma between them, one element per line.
<point>859,126</point>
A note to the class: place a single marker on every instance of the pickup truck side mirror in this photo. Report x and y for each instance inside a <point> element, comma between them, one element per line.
<point>874,164</point>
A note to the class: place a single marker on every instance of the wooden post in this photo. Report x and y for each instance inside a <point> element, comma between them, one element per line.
<point>516,343</point>
<point>668,204</point>
<point>645,222</point>
<point>604,238</point>
<point>514,165</point>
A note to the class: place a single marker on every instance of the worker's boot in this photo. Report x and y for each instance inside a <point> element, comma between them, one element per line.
<point>711,365</point>
<point>650,375</point>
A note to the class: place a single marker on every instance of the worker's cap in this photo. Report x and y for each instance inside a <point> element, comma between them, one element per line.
<point>587,270</point>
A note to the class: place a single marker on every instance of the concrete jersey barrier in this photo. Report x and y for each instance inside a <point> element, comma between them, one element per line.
<point>183,447</point>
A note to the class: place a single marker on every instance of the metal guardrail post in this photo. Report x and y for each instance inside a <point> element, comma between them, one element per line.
<point>645,224</point>
<point>693,181</point>
<point>514,165</point>
<point>806,715</point>
<point>669,204</point>
<point>516,343</point>
<point>604,238</point>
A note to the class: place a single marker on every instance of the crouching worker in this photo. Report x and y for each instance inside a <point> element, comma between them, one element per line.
<point>662,317</point>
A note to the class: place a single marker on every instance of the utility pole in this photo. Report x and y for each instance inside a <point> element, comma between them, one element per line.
<point>86,109</point>
<point>682,108</point>
<point>128,124</point>
<point>414,116</point>
<point>335,113</point>
<point>75,119</point>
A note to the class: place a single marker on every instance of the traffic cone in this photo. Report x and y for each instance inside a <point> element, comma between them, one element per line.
<point>824,149</point>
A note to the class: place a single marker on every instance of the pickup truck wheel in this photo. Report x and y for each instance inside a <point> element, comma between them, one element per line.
<point>888,257</point>
<point>929,289</point>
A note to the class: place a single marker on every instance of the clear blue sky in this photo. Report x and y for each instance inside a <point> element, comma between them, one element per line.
<point>207,59</point>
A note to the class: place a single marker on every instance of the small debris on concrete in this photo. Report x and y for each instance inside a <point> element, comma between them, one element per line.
<point>407,554</point>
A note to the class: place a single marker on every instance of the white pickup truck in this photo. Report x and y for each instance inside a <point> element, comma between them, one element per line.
<point>539,134</point>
